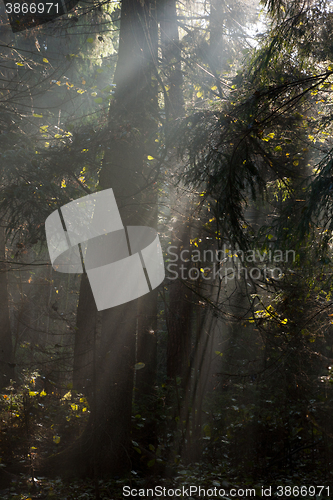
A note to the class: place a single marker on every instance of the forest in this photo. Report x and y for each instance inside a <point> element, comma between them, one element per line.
<point>205,126</point>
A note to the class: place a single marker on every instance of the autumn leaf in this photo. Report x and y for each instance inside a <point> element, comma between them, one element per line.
<point>139,366</point>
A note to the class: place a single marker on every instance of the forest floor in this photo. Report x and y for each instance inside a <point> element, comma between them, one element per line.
<point>184,482</point>
<point>34,426</point>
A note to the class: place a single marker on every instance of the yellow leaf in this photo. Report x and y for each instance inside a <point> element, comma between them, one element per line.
<point>150,157</point>
<point>33,393</point>
<point>37,116</point>
<point>139,366</point>
<point>19,64</point>
<point>45,60</point>
<point>56,439</point>
<point>80,91</point>
<point>43,393</point>
<point>199,94</point>
<point>58,136</point>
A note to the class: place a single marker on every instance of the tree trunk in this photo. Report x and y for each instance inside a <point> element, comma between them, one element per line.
<point>104,447</point>
<point>128,172</point>
<point>179,313</point>
<point>178,320</point>
<point>171,61</point>
<point>6,349</point>
<point>86,320</point>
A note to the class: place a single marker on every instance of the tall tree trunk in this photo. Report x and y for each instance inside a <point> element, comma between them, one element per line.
<point>172,76</point>
<point>126,169</point>
<point>171,61</point>
<point>178,319</point>
<point>6,348</point>
<point>179,314</point>
<point>180,308</point>
<point>105,445</point>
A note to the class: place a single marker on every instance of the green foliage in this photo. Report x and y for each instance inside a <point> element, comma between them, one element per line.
<point>38,181</point>
<point>39,418</point>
